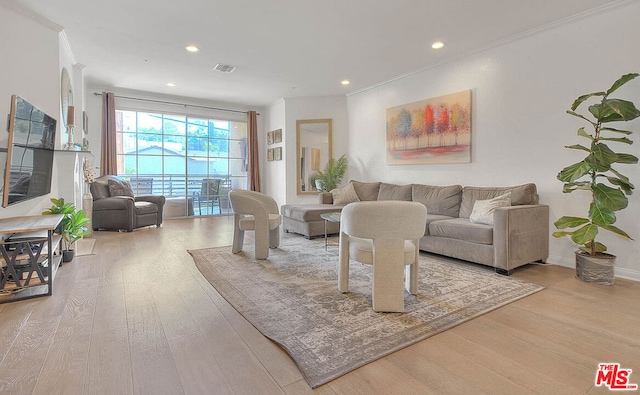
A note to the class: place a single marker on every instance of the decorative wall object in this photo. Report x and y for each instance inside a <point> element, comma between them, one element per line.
<point>436,130</point>
<point>270,154</point>
<point>277,136</point>
<point>277,153</point>
<point>270,138</point>
<point>85,131</point>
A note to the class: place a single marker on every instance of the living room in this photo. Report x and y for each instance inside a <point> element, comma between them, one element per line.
<point>521,88</point>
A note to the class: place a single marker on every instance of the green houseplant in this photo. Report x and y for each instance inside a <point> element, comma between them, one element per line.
<point>72,227</point>
<point>332,175</point>
<point>596,175</point>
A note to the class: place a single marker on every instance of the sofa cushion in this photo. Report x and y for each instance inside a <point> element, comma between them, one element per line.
<point>394,192</point>
<point>120,188</point>
<point>482,212</point>
<point>439,200</point>
<point>520,195</point>
<point>366,191</point>
<point>143,208</point>
<point>462,229</point>
<point>344,195</point>
<point>434,217</point>
<point>308,212</point>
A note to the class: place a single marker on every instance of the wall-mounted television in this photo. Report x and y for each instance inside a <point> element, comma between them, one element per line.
<point>30,149</point>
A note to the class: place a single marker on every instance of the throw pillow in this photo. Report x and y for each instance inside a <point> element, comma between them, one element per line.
<point>483,209</point>
<point>120,188</point>
<point>343,196</point>
<point>366,191</point>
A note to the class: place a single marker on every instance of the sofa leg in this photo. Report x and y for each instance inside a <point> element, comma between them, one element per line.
<point>504,272</point>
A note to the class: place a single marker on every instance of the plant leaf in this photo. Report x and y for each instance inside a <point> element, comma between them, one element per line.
<point>626,187</point>
<point>575,114</point>
<point>599,247</point>
<point>617,139</point>
<point>582,133</point>
<point>614,110</point>
<point>617,231</point>
<point>601,157</point>
<point>573,172</point>
<point>573,186</point>
<point>601,216</point>
<point>570,222</point>
<point>626,158</point>
<point>627,132</point>
<point>561,234</point>
<point>578,146</point>
<point>610,198</point>
<point>621,81</point>
<point>582,98</point>
<point>585,234</point>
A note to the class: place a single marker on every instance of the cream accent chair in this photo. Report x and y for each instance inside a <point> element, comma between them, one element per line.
<point>384,234</point>
<point>258,212</point>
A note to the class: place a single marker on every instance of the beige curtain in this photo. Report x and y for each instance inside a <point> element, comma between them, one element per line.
<point>108,161</point>
<point>254,166</point>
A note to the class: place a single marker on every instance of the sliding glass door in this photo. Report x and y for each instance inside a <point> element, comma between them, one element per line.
<point>192,161</point>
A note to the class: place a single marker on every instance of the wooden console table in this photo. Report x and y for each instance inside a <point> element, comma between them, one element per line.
<point>27,257</point>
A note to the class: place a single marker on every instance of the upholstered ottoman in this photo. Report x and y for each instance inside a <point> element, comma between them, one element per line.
<point>305,219</point>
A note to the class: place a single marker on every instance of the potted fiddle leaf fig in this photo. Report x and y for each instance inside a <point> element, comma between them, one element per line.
<point>333,173</point>
<point>599,175</point>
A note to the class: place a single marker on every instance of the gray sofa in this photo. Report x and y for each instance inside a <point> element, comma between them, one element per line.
<point>519,235</point>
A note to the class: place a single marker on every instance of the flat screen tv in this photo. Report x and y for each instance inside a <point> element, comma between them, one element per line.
<point>30,149</point>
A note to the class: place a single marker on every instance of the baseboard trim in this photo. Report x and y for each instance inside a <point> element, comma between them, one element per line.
<point>628,274</point>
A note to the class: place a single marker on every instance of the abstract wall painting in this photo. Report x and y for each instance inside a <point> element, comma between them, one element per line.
<point>430,131</point>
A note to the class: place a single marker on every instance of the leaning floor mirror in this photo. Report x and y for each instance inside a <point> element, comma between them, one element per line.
<point>313,150</point>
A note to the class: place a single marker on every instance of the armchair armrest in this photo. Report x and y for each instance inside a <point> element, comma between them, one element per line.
<point>159,200</point>
<point>520,235</point>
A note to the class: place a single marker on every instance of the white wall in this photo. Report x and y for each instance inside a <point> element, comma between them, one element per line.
<point>520,91</point>
<point>30,69</point>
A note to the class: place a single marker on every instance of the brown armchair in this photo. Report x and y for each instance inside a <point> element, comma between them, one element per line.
<point>115,207</point>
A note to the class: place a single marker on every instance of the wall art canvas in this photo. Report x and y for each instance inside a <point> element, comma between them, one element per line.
<point>277,136</point>
<point>436,130</point>
<point>270,137</point>
<point>270,154</point>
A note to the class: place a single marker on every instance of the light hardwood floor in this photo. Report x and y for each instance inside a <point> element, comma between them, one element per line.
<point>138,318</point>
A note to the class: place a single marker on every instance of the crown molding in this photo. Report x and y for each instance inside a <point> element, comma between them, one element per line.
<point>17,7</point>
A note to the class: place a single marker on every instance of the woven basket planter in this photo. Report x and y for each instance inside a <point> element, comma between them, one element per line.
<point>597,269</point>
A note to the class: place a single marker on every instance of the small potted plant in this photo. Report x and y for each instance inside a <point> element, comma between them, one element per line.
<point>333,173</point>
<point>72,227</point>
<point>598,175</point>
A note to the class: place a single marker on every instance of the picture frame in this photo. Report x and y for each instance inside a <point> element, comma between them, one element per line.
<point>270,155</point>
<point>277,153</point>
<point>270,138</point>
<point>277,136</point>
<point>85,131</point>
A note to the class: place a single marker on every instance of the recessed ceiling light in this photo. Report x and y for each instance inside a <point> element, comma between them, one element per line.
<point>192,48</point>
<point>171,84</point>
<point>345,82</point>
<point>437,45</point>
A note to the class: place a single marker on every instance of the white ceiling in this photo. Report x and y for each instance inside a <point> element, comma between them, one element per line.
<point>284,48</point>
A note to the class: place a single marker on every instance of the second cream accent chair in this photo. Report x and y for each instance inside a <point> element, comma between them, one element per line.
<point>384,234</point>
<point>258,212</point>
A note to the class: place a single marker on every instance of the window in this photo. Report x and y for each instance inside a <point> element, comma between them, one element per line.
<point>177,155</point>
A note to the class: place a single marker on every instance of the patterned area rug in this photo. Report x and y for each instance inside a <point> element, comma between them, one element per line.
<point>292,298</point>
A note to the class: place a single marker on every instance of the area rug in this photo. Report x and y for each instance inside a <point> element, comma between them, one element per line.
<point>292,298</point>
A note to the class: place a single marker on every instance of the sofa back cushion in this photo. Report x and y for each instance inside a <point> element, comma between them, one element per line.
<point>366,191</point>
<point>439,200</point>
<point>394,192</point>
<point>520,195</point>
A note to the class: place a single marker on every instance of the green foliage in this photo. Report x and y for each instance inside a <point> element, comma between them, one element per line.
<point>72,227</point>
<point>332,175</point>
<point>596,170</point>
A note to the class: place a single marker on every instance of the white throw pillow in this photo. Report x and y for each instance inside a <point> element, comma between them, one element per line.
<point>346,195</point>
<point>482,212</point>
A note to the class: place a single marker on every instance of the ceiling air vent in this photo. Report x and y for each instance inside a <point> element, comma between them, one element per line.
<point>224,68</point>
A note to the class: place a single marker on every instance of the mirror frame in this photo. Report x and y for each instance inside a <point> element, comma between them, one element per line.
<point>299,124</point>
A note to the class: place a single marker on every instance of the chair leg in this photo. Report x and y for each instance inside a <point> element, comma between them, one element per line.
<point>238,236</point>
<point>411,273</point>
<point>262,241</point>
<point>388,276</point>
<point>274,237</point>
<point>343,270</point>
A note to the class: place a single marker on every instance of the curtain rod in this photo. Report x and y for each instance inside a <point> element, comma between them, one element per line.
<point>174,103</point>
